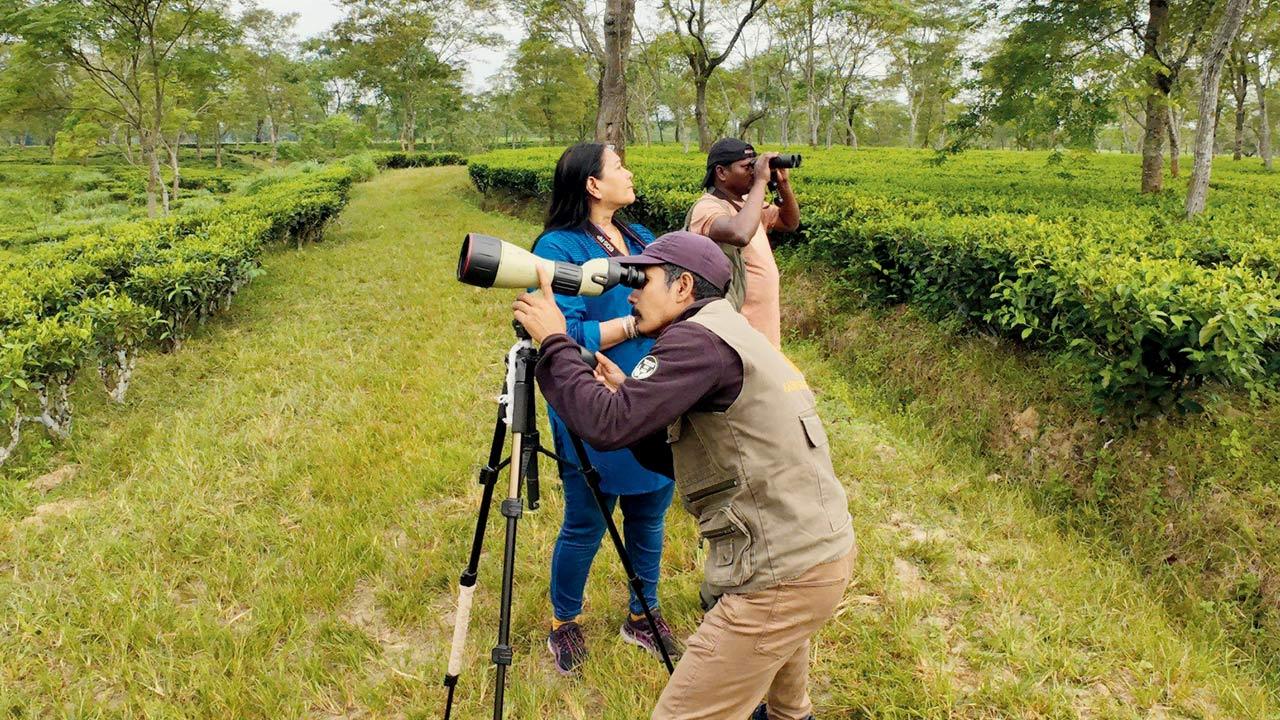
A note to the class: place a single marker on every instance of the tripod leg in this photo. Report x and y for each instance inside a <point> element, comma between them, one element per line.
<point>524,420</point>
<point>467,583</point>
<point>633,580</point>
<point>523,457</point>
<point>512,508</point>
<point>531,486</point>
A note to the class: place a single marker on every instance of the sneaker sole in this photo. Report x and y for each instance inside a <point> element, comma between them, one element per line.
<point>555,663</point>
<point>651,649</point>
<point>627,637</point>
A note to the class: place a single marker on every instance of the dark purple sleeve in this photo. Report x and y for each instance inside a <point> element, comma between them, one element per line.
<point>692,367</point>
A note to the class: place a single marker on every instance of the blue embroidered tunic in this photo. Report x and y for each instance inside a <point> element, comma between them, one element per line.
<point>620,473</point>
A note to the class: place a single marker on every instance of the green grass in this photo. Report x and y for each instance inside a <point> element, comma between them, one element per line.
<point>273,525</point>
<point>1188,500</point>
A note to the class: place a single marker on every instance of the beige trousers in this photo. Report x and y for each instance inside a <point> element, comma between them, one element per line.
<point>754,646</point>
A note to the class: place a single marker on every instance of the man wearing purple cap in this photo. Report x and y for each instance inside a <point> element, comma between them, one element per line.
<point>719,408</point>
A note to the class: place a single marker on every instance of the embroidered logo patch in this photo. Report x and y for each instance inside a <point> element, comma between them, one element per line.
<point>647,366</point>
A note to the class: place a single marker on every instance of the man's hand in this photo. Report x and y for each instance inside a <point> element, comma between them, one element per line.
<point>761,168</point>
<point>538,312</point>
<point>608,373</point>
<point>788,209</point>
<point>769,216</point>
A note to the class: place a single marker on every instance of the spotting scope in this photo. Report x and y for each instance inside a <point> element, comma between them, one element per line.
<point>488,262</point>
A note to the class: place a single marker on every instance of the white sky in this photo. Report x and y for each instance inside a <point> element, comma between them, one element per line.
<point>316,16</point>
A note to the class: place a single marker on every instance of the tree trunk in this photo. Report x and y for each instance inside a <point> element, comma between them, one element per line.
<point>913,116</point>
<point>412,130</point>
<point>199,149</point>
<point>1264,132</point>
<point>1152,140</point>
<point>1158,86</point>
<point>217,146</point>
<point>155,182</point>
<point>128,147</point>
<point>1240,90</point>
<point>810,73</point>
<point>1175,142</point>
<point>700,111</point>
<point>173,163</point>
<point>1210,82</point>
<point>1237,147</point>
<point>153,174</point>
<point>611,116</point>
<point>275,139</point>
<point>755,117</point>
<point>257,132</point>
<point>850,135</point>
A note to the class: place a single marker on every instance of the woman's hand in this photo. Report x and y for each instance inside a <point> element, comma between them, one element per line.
<point>538,312</point>
<point>608,373</point>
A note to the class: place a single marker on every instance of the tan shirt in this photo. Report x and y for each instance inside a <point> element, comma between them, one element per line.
<point>756,276</point>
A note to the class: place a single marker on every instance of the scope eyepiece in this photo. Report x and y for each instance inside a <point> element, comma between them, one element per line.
<point>616,274</point>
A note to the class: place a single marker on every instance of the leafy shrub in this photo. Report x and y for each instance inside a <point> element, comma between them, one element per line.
<point>97,298</point>
<point>334,136</point>
<point>398,160</point>
<point>1069,258</point>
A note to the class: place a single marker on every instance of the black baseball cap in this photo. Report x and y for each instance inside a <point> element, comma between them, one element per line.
<point>696,253</point>
<point>725,151</point>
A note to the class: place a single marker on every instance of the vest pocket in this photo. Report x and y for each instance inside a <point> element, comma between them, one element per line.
<point>729,562</point>
<point>829,493</point>
<point>700,495</point>
<point>813,430</point>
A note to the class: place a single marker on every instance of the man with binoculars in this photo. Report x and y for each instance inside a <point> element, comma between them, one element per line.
<point>723,411</point>
<point>733,212</point>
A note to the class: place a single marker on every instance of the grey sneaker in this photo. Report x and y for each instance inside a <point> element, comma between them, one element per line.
<point>568,647</point>
<point>638,632</point>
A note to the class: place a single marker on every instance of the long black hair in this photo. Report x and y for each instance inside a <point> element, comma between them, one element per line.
<point>570,203</point>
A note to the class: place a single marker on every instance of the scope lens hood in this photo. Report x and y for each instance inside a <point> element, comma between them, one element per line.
<point>478,260</point>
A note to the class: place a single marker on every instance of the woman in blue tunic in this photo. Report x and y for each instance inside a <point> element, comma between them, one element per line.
<point>591,186</point>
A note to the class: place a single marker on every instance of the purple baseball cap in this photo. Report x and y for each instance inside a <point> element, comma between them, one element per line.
<point>696,253</point>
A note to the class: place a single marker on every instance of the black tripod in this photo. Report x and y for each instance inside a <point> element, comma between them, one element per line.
<point>517,411</point>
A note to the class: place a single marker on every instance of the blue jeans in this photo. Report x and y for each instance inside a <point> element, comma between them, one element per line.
<point>583,529</point>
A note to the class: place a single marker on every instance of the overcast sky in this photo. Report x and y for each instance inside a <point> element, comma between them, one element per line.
<point>316,16</point>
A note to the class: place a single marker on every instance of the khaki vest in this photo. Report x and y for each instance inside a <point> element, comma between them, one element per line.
<point>758,476</point>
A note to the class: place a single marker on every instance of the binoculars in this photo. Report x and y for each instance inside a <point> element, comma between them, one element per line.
<point>786,160</point>
<point>488,262</point>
